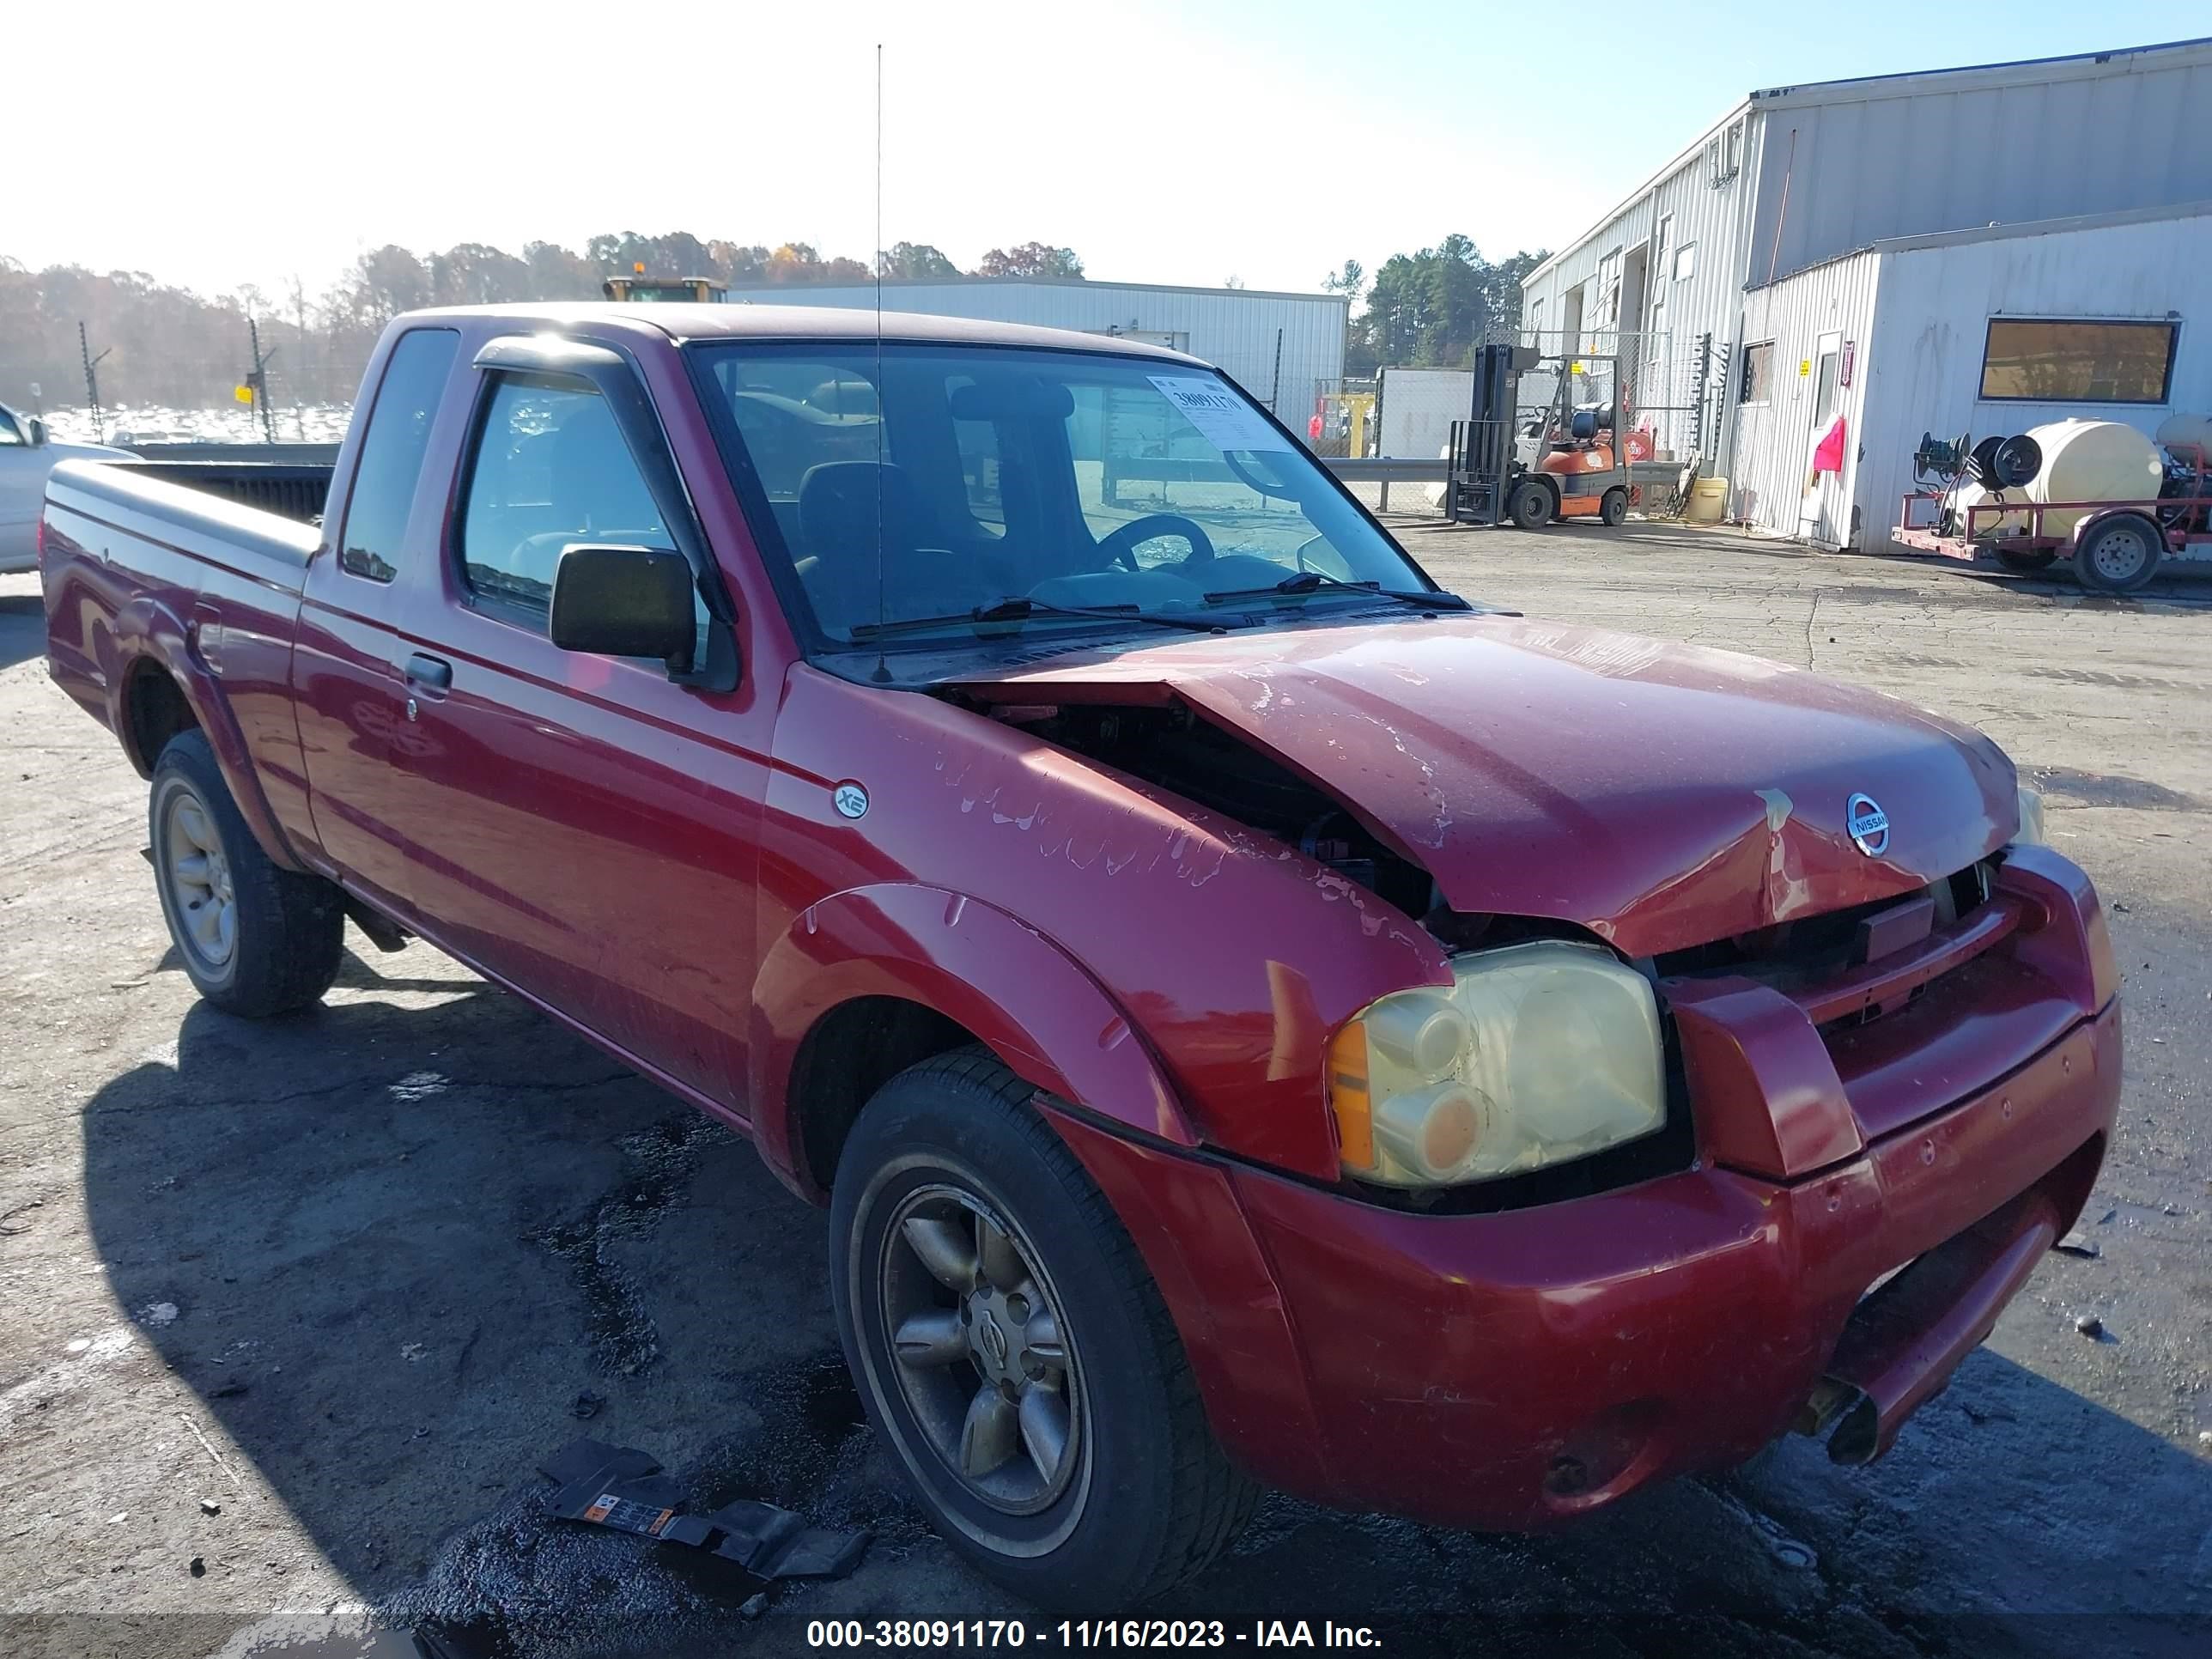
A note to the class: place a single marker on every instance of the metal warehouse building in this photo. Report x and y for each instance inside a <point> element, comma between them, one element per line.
<point>1844,248</point>
<point>1283,349</point>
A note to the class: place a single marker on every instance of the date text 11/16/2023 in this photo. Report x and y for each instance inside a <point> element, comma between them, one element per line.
<point>941,1634</point>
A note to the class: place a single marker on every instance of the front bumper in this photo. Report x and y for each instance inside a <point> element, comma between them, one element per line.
<point>1511,1369</point>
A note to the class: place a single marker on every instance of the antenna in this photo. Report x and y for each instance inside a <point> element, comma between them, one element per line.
<point>883,673</point>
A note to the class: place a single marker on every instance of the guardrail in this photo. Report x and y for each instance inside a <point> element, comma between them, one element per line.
<point>1387,470</point>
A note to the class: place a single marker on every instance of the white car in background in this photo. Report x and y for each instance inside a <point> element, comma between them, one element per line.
<point>27,455</point>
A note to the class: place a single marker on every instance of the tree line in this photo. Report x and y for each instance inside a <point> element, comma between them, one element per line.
<point>1432,309</point>
<point>169,345</point>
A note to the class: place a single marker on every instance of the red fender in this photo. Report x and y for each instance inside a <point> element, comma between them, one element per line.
<point>146,631</point>
<point>1020,993</point>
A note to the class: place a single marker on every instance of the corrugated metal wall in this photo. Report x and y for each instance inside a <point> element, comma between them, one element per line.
<point>1236,329</point>
<point>1710,221</point>
<point>1922,366</point>
<point>1908,155</point>
<point>1773,454</point>
<point>1900,156</point>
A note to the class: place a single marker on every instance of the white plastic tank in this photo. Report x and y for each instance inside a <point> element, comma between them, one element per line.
<point>2092,461</point>
<point>2188,429</point>
<point>1986,525</point>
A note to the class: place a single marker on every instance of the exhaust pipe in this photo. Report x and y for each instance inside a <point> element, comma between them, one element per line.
<point>1905,1341</point>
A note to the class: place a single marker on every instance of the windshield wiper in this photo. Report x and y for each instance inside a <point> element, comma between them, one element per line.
<point>1018,609</point>
<point>1311,581</point>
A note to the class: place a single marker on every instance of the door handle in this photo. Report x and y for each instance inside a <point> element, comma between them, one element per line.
<point>432,673</point>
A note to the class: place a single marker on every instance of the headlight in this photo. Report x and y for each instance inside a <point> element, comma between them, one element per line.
<point>2031,817</point>
<point>1539,1053</point>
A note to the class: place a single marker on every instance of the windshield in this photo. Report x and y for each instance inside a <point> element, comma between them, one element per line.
<point>1122,486</point>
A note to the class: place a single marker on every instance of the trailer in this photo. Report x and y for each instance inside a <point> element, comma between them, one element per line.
<point>2115,547</point>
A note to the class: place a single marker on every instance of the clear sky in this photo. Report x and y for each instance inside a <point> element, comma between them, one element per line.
<point>238,141</point>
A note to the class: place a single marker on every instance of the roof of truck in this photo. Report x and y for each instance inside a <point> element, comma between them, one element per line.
<point>745,321</point>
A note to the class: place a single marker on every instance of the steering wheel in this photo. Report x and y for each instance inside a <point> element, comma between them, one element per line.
<point>1120,548</point>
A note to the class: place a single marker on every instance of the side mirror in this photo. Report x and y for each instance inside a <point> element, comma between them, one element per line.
<point>625,602</point>
<point>36,431</point>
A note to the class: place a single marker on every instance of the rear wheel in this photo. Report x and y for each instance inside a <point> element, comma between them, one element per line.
<point>1012,1349</point>
<point>1529,506</point>
<point>254,940</point>
<point>1613,509</point>
<point>2117,556</point>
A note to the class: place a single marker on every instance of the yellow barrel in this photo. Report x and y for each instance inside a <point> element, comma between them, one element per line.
<point>1708,502</point>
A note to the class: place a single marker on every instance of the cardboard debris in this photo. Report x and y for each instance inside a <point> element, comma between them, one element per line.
<point>620,1487</point>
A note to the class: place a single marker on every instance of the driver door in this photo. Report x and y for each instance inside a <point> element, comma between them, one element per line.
<point>580,825</point>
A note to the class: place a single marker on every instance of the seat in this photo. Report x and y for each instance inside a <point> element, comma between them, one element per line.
<point>840,534</point>
<point>595,489</point>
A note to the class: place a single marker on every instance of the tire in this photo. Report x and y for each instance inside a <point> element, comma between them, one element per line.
<point>277,948</point>
<point>2027,561</point>
<point>2118,555</point>
<point>1529,506</point>
<point>948,1165</point>
<point>1612,508</point>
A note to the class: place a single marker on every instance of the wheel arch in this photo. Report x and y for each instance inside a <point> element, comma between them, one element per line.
<point>160,688</point>
<point>2091,523</point>
<point>869,980</point>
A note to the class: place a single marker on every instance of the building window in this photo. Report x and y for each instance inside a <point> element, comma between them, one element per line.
<point>1724,153</point>
<point>1758,373</point>
<point>2061,360</point>
<point>1686,262</point>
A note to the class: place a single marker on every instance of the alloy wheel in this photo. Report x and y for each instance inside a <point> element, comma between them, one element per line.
<point>198,873</point>
<point>981,1351</point>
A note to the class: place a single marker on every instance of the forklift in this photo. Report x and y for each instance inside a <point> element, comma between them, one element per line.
<point>1565,459</point>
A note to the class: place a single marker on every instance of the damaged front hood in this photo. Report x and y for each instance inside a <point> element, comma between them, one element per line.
<point>1660,795</point>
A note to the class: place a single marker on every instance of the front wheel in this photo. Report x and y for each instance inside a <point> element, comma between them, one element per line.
<point>254,940</point>
<point>1613,506</point>
<point>1012,1349</point>
<point>1529,506</point>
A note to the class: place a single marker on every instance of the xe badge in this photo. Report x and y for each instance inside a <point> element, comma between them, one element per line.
<point>1869,825</point>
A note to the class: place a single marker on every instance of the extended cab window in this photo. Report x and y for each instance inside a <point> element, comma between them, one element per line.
<point>392,451</point>
<point>551,470</point>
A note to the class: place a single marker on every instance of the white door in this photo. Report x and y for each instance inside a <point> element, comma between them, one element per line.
<point>1822,521</point>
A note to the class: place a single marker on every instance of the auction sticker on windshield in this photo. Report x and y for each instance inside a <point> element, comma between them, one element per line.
<point>1226,420</point>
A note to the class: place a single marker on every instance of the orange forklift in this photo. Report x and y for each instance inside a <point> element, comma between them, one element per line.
<point>1563,458</point>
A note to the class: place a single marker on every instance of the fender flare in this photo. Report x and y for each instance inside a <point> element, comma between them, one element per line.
<point>1022,995</point>
<point>150,637</point>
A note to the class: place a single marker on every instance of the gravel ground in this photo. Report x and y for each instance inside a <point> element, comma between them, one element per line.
<point>296,1310</point>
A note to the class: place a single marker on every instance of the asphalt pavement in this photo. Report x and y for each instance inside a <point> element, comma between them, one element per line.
<point>294,1310</point>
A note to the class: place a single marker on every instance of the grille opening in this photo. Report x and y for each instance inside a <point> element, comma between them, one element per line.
<point>1813,949</point>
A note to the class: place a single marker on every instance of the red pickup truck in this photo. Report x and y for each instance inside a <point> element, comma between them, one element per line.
<point>1253,1016</point>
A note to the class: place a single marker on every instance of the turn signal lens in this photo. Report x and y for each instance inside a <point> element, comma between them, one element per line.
<point>2031,817</point>
<point>1348,1098</point>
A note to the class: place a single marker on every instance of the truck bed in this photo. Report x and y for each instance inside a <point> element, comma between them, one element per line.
<point>156,593</point>
<point>106,507</point>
